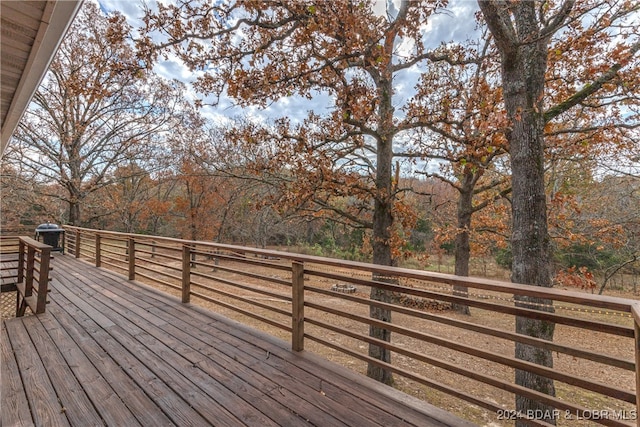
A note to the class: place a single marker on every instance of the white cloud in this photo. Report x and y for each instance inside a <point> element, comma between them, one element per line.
<point>456,23</point>
<point>131,9</point>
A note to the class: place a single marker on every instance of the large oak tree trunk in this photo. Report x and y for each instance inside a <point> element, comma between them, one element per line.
<point>523,49</point>
<point>523,82</point>
<point>74,213</point>
<point>462,241</point>
<point>531,253</point>
<point>383,220</point>
<point>382,229</point>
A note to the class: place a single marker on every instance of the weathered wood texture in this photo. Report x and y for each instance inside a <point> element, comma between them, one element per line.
<point>293,293</point>
<point>33,290</point>
<point>24,267</point>
<point>9,261</point>
<point>113,352</point>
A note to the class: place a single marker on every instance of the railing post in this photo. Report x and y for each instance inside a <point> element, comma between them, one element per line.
<point>43,280</point>
<point>20,278</point>
<point>77,245</point>
<point>131,251</point>
<point>21,245</point>
<point>635,311</point>
<point>186,273</point>
<point>98,250</point>
<point>21,304</point>
<point>31,260</point>
<point>297,306</point>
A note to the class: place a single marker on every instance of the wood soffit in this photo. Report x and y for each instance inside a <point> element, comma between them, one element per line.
<point>30,33</point>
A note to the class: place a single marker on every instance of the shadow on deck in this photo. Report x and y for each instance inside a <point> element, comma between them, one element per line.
<point>115,352</point>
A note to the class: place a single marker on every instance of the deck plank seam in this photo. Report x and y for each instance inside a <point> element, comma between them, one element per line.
<point>136,334</point>
<point>318,379</point>
<point>146,381</point>
<point>159,309</point>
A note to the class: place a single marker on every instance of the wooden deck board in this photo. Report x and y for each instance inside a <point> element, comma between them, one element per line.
<point>122,304</point>
<point>15,408</point>
<point>167,360</point>
<point>320,398</point>
<point>145,380</point>
<point>140,404</point>
<point>37,386</point>
<point>106,401</point>
<point>114,352</point>
<point>71,395</point>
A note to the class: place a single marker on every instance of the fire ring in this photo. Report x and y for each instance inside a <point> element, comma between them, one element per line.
<point>344,288</point>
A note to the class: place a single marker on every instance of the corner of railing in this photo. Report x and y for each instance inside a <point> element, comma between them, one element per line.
<point>43,279</point>
<point>635,312</point>
<point>26,276</point>
<point>297,306</point>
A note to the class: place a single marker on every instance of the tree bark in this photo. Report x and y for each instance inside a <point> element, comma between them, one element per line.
<point>523,50</point>
<point>382,222</point>
<point>74,213</point>
<point>531,252</point>
<point>462,241</point>
<point>382,229</point>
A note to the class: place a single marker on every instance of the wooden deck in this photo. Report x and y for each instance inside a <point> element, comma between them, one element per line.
<point>113,352</point>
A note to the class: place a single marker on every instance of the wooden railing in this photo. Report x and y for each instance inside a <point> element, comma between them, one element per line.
<point>25,268</point>
<point>323,305</point>
<point>9,249</point>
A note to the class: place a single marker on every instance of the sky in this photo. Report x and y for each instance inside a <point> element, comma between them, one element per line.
<point>456,24</point>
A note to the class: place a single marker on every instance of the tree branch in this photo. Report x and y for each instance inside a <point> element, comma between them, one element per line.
<point>589,89</point>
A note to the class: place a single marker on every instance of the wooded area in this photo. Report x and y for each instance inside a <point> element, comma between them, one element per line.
<point>520,143</point>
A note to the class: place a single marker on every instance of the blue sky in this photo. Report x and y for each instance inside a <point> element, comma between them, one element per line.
<point>456,23</point>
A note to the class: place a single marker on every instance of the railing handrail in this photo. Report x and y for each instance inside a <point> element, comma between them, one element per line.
<point>27,240</point>
<point>34,243</point>
<point>32,273</point>
<point>123,250</point>
<point>599,301</point>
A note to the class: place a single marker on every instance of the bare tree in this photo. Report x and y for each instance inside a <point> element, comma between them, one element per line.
<point>95,110</point>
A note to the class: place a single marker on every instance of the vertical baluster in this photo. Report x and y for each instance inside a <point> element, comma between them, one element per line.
<point>43,280</point>
<point>297,306</point>
<point>98,250</point>
<point>131,251</point>
<point>77,248</point>
<point>186,273</point>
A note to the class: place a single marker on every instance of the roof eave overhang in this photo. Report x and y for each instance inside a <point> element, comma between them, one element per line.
<point>56,19</point>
